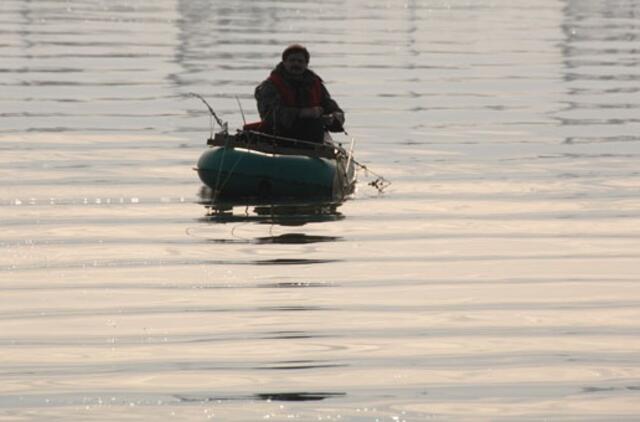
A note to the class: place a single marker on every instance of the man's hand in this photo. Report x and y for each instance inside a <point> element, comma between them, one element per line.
<point>339,117</point>
<point>312,112</point>
<point>329,119</point>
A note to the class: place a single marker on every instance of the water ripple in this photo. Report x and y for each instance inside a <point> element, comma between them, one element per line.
<point>496,279</point>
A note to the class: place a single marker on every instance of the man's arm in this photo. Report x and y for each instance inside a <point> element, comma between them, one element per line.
<point>333,112</point>
<point>271,109</point>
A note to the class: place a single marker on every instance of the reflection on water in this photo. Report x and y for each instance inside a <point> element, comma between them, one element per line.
<point>297,239</point>
<point>284,239</point>
<point>293,285</point>
<point>264,211</point>
<point>294,397</point>
<point>601,58</point>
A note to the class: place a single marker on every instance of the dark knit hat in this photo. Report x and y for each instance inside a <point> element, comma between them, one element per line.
<point>295,48</point>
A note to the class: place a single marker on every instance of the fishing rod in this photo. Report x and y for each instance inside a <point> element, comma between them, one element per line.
<point>213,113</point>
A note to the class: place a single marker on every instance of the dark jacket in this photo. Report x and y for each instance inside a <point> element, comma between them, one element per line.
<point>278,115</point>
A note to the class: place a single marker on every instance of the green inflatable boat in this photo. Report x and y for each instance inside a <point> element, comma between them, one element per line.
<point>253,165</point>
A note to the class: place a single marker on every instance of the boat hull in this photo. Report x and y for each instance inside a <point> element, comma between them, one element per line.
<point>234,173</point>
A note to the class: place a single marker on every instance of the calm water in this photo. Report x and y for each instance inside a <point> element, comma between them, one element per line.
<point>496,279</point>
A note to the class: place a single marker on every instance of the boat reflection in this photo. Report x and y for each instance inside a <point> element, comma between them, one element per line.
<point>269,211</point>
<point>295,396</point>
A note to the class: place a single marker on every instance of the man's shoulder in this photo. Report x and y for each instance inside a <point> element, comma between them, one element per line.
<point>265,87</point>
<point>313,76</point>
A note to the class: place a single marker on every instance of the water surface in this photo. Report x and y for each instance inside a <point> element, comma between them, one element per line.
<point>495,279</point>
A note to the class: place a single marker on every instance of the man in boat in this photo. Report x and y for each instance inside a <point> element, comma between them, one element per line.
<point>293,101</point>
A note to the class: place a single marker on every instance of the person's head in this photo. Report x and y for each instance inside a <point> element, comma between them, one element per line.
<point>295,59</point>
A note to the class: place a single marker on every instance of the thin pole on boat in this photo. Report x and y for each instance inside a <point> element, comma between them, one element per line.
<point>244,120</point>
<point>351,147</point>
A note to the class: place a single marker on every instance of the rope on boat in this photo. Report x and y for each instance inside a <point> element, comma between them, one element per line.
<point>216,190</point>
<point>219,186</point>
<point>380,183</point>
<point>315,145</point>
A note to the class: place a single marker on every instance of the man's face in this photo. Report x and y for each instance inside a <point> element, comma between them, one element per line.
<point>295,63</point>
